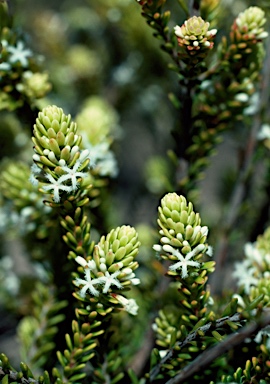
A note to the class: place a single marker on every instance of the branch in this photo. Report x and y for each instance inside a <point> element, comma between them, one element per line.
<point>14,376</point>
<point>203,360</point>
<point>192,336</point>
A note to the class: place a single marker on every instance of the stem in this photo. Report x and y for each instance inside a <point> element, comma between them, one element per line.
<point>203,360</point>
<point>192,336</point>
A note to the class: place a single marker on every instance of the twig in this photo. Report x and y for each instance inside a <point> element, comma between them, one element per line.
<point>203,360</point>
<point>14,376</point>
<point>192,336</point>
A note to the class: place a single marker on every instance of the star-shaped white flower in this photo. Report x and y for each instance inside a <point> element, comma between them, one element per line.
<point>88,283</point>
<point>19,54</point>
<point>72,174</point>
<point>56,186</point>
<point>254,254</point>
<point>110,280</point>
<point>132,307</point>
<point>35,171</point>
<point>129,305</point>
<point>244,273</point>
<point>184,261</point>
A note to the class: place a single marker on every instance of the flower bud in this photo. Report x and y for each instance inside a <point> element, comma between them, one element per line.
<point>194,35</point>
<point>250,23</point>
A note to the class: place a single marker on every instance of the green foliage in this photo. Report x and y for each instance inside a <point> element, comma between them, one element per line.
<point>77,303</point>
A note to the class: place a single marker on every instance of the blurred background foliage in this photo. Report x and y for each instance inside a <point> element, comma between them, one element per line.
<point>105,67</point>
<point>107,50</point>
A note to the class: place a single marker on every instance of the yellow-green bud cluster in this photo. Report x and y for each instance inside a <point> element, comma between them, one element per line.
<point>59,162</point>
<point>180,225</point>
<point>246,51</point>
<point>183,239</point>
<point>55,139</point>
<point>97,120</point>
<point>194,35</point>
<point>26,212</point>
<point>108,271</point>
<point>116,252</point>
<point>34,85</point>
<point>15,185</point>
<point>249,25</point>
<point>19,72</point>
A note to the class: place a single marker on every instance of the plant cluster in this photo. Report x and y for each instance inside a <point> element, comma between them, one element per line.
<point>105,302</point>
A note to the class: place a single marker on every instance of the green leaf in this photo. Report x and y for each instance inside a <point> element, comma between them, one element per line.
<point>217,336</point>
<point>77,377</point>
<point>231,308</point>
<point>254,304</point>
<point>154,358</point>
<point>133,377</point>
<point>184,6</point>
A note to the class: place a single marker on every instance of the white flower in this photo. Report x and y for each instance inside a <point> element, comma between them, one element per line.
<point>253,106</point>
<point>19,54</point>
<point>35,170</point>
<point>84,155</point>
<point>209,251</point>
<point>33,180</point>
<point>259,337</point>
<point>163,353</point>
<point>130,275</point>
<point>56,187</point>
<point>212,32</point>
<point>72,174</point>
<point>89,264</point>
<point>242,97</point>
<point>107,280</point>
<point>129,305</point>
<point>110,280</point>
<point>245,275</point>
<point>264,132</point>
<point>102,158</point>
<point>184,261</point>
<point>178,31</point>
<point>132,307</point>
<point>88,283</point>
<point>4,67</point>
<point>253,253</point>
